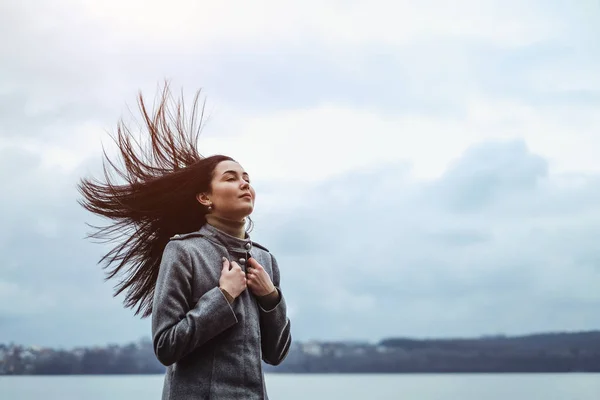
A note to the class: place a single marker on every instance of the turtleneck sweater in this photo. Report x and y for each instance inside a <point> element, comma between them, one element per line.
<point>229,226</point>
<point>238,229</point>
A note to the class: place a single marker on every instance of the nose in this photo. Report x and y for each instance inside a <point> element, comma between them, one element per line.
<point>245,185</point>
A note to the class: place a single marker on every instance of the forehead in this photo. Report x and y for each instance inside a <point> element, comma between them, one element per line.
<point>227,165</point>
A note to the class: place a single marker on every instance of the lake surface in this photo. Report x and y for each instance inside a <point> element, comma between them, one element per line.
<point>324,386</point>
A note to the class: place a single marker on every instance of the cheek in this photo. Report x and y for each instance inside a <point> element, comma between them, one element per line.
<point>221,192</point>
<point>226,193</point>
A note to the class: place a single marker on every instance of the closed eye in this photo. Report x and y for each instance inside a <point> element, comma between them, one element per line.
<point>232,175</point>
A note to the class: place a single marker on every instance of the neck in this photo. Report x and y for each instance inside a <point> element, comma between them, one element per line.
<point>229,226</point>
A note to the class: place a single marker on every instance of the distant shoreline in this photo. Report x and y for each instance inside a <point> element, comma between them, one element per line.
<point>550,353</point>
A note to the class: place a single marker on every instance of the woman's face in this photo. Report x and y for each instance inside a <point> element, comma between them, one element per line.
<point>231,195</point>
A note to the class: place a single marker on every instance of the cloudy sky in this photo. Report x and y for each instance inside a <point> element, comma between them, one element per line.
<point>422,170</point>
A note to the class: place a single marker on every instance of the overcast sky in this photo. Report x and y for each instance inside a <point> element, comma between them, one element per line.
<point>421,171</point>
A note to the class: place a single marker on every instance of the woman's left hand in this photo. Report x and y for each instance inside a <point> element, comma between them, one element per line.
<point>258,280</point>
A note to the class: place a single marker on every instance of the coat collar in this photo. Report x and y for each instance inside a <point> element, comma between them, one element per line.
<point>226,240</point>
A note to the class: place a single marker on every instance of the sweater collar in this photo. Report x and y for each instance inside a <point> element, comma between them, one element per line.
<point>230,227</point>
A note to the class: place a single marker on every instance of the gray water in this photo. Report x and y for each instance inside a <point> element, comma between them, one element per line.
<point>331,387</point>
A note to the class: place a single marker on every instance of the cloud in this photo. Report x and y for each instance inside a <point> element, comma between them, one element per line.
<point>51,289</point>
<point>507,71</point>
<point>404,261</point>
<point>485,174</point>
<point>336,22</point>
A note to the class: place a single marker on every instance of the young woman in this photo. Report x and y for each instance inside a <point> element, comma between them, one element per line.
<point>187,259</point>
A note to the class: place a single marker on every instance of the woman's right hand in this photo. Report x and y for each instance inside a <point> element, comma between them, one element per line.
<point>232,280</point>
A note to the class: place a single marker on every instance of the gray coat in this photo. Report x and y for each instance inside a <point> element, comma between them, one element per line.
<point>214,349</point>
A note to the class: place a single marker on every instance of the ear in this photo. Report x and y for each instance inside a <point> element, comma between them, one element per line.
<point>203,199</point>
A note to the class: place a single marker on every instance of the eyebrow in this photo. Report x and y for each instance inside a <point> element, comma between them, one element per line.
<point>234,172</point>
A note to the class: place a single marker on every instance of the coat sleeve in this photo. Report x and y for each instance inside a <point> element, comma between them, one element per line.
<point>275,331</point>
<point>178,327</point>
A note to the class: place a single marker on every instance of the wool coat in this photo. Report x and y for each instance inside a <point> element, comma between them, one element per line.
<point>213,349</point>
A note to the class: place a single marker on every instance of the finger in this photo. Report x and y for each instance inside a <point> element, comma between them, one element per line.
<point>225,264</point>
<point>235,265</point>
<point>254,264</point>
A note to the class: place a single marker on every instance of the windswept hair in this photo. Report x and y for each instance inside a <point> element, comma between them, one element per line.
<point>157,198</point>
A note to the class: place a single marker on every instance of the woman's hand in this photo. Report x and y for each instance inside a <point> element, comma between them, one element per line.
<point>232,280</point>
<point>259,282</point>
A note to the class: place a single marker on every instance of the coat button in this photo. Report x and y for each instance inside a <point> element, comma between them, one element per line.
<point>242,261</point>
<point>248,246</point>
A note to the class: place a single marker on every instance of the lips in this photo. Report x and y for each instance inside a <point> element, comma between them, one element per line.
<point>248,195</point>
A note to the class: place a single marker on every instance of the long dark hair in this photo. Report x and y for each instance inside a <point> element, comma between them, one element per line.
<point>157,198</point>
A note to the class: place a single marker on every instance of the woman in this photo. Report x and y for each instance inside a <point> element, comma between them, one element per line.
<point>187,259</point>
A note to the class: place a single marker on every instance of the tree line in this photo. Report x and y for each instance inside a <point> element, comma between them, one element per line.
<point>550,352</point>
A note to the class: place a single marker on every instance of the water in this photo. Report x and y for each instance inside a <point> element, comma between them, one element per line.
<point>322,386</point>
